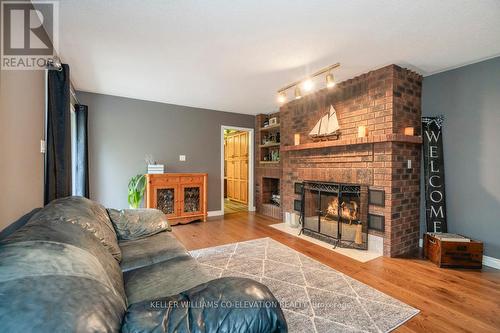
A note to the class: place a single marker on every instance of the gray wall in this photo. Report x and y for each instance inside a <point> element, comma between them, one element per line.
<point>22,109</point>
<point>123,130</point>
<point>469,98</point>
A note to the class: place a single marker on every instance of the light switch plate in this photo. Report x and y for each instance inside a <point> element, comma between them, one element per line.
<point>409,164</point>
<point>43,146</point>
<point>182,158</point>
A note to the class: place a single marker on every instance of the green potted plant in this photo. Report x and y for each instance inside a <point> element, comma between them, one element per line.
<point>136,187</point>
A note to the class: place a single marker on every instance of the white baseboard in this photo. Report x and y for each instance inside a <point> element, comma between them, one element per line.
<point>252,209</point>
<point>491,262</point>
<point>487,261</point>
<point>215,213</point>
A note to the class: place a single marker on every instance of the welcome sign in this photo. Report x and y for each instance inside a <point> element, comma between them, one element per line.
<point>435,198</point>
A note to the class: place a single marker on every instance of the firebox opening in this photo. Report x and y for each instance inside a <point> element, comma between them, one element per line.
<point>271,191</point>
<point>336,213</point>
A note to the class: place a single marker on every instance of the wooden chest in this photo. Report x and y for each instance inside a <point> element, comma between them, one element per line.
<point>452,253</point>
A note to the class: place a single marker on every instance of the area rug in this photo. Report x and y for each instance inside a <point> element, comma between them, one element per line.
<point>314,297</point>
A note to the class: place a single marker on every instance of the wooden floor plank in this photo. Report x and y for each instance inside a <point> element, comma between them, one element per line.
<point>449,300</point>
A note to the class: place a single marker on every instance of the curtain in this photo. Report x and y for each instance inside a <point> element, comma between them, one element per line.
<point>82,162</point>
<point>58,132</point>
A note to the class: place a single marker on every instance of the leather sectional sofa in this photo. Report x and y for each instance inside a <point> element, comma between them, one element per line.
<point>66,270</point>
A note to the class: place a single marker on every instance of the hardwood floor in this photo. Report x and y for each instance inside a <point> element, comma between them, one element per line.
<point>449,300</point>
<point>234,207</point>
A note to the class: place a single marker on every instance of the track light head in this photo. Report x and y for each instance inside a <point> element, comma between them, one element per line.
<point>298,93</point>
<point>281,97</point>
<point>308,85</point>
<point>330,81</point>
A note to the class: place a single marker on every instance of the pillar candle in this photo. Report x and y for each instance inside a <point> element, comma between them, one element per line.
<point>297,139</point>
<point>362,131</point>
<point>409,131</point>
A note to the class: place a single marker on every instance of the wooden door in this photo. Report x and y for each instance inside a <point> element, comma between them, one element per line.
<point>236,161</point>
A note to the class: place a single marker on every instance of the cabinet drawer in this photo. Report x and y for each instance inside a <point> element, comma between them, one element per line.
<point>157,181</point>
<point>191,179</point>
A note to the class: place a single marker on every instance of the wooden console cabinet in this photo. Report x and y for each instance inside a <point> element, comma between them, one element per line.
<point>181,196</point>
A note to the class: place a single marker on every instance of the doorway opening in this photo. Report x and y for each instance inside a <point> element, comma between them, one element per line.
<point>237,169</point>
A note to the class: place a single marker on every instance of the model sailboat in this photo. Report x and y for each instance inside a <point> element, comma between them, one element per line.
<point>327,126</point>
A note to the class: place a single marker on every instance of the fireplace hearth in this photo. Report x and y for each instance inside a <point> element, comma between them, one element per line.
<point>335,213</point>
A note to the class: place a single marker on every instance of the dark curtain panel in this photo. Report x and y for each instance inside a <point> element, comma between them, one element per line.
<point>82,155</point>
<point>58,154</point>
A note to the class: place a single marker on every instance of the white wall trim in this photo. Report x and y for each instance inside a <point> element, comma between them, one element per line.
<point>487,261</point>
<point>491,262</point>
<point>215,213</point>
<point>251,163</point>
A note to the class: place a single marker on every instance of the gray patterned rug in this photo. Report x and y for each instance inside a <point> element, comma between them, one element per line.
<point>314,297</point>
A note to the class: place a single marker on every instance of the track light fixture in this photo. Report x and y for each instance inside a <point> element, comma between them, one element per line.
<point>330,81</point>
<point>308,83</point>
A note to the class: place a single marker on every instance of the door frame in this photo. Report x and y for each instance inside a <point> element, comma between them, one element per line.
<point>251,163</point>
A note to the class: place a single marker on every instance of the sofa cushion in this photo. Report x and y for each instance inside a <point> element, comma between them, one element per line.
<point>151,250</point>
<point>133,224</point>
<point>87,214</point>
<point>48,286</point>
<point>163,279</point>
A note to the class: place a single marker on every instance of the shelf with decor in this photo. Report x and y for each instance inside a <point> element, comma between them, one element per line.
<point>270,127</point>
<point>268,139</point>
<point>270,144</point>
<point>268,169</point>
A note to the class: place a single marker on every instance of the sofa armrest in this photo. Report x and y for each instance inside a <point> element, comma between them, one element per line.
<point>221,305</point>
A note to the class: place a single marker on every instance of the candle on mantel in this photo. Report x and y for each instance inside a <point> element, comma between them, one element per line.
<point>362,131</point>
<point>409,131</point>
<point>296,138</point>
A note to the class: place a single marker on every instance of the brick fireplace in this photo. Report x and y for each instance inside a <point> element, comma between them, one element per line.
<point>385,102</point>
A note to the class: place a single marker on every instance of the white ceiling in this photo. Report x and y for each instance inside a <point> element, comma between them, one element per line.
<point>233,55</point>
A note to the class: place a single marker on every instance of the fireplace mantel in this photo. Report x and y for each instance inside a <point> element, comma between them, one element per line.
<point>357,141</point>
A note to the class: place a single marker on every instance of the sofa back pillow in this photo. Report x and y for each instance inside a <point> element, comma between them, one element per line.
<point>133,224</point>
<point>88,215</point>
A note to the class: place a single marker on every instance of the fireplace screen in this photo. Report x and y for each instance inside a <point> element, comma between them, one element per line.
<point>336,213</point>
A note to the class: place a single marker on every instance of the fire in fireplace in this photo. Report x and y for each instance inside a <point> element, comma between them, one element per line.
<point>336,213</point>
